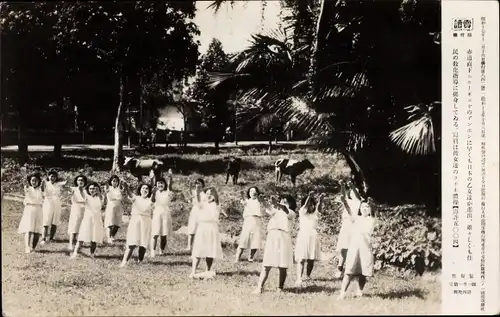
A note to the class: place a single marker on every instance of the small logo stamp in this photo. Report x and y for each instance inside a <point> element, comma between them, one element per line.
<point>462,27</point>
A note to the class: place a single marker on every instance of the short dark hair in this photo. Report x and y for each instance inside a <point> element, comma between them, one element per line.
<point>52,172</point>
<point>138,189</point>
<point>87,188</point>
<point>303,201</point>
<point>85,180</point>
<point>201,181</point>
<point>113,177</point>
<point>256,189</point>
<point>37,176</point>
<point>161,180</point>
<point>292,203</point>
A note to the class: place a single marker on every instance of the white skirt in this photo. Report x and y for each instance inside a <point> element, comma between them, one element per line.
<point>75,218</point>
<point>113,214</point>
<point>251,233</point>
<point>192,223</point>
<point>359,260</point>
<point>207,243</point>
<point>344,234</point>
<point>92,228</point>
<point>307,246</point>
<point>31,220</point>
<point>51,212</point>
<point>278,251</point>
<point>139,231</point>
<point>162,222</point>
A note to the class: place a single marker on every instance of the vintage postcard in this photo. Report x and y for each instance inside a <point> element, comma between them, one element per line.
<point>266,157</point>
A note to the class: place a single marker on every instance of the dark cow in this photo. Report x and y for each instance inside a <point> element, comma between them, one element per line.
<point>291,167</point>
<point>144,167</point>
<point>233,167</point>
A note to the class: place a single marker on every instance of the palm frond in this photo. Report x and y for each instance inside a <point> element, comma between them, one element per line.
<point>217,4</point>
<point>416,137</point>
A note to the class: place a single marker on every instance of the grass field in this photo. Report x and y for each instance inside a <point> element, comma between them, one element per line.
<point>48,283</point>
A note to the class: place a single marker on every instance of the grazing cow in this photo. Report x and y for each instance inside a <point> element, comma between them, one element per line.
<point>233,167</point>
<point>144,167</point>
<point>291,167</point>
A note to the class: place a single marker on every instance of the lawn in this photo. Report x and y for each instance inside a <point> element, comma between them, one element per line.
<point>48,283</point>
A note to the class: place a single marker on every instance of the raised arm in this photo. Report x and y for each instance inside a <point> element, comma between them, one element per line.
<point>170,179</point>
<point>343,197</point>
<point>319,205</point>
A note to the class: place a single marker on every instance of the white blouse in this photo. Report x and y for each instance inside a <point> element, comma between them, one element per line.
<point>253,208</point>
<point>33,196</point>
<point>280,219</point>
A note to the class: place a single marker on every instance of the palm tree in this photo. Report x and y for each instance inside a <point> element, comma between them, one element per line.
<point>361,79</point>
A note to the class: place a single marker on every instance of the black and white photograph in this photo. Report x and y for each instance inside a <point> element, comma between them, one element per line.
<point>217,157</point>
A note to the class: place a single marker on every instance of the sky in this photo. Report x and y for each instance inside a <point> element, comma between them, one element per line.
<point>233,26</point>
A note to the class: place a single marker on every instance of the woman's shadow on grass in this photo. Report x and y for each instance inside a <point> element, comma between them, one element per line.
<point>311,289</point>
<point>241,273</point>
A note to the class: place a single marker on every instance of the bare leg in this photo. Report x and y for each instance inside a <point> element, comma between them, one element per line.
<point>190,242</point>
<point>252,255</point>
<point>300,271</point>
<point>163,243</point>
<point>36,238</point>
<point>27,237</point>
<point>127,255</point>
<point>77,248</point>
<point>45,234</point>
<point>340,265</point>
<point>154,243</point>
<point>345,284</point>
<point>108,233</point>
<point>75,238</point>
<point>93,247</point>
<point>142,253</point>
<point>282,278</point>
<point>361,285</point>
<point>264,274</point>
<point>310,266</point>
<point>239,252</point>
<point>194,266</point>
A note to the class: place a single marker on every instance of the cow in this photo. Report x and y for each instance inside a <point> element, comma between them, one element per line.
<point>233,167</point>
<point>291,167</point>
<point>144,167</point>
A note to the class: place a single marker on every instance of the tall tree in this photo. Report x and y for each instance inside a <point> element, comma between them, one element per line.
<point>212,104</point>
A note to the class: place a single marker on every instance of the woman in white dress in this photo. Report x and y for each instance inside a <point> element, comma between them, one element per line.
<point>92,228</point>
<point>308,247</point>
<point>207,243</point>
<point>114,211</point>
<point>360,259</point>
<point>77,209</point>
<point>278,251</point>
<point>350,202</point>
<point>51,206</point>
<point>251,233</point>
<point>198,195</point>
<point>139,227</point>
<point>31,220</point>
<point>162,217</point>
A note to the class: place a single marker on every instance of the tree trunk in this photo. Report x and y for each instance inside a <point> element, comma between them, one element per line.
<point>314,50</point>
<point>22,145</point>
<point>118,146</point>
<point>270,147</point>
<point>59,129</point>
<point>359,176</point>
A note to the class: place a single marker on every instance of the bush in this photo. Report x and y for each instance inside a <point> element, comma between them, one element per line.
<point>405,237</point>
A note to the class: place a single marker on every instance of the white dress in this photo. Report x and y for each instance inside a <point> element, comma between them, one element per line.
<point>194,211</point>
<point>278,251</point>
<point>114,211</point>
<point>139,227</point>
<point>92,227</point>
<point>52,204</point>
<point>345,229</point>
<point>207,243</point>
<point>359,258</point>
<point>31,220</point>
<point>251,233</point>
<point>77,211</point>
<point>307,246</point>
<point>162,218</point>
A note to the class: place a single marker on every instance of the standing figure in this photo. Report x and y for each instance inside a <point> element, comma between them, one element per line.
<point>31,220</point>
<point>251,233</point>
<point>77,209</point>
<point>308,247</point>
<point>350,203</point>
<point>139,227</point>
<point>51,205</point>
<point>278,251</point>
<point>360,259</point>
<point>114,210</point>
<point>207,243</point>
<point>198,195</point>
<point>162,217</point>
<point>92,228</point>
